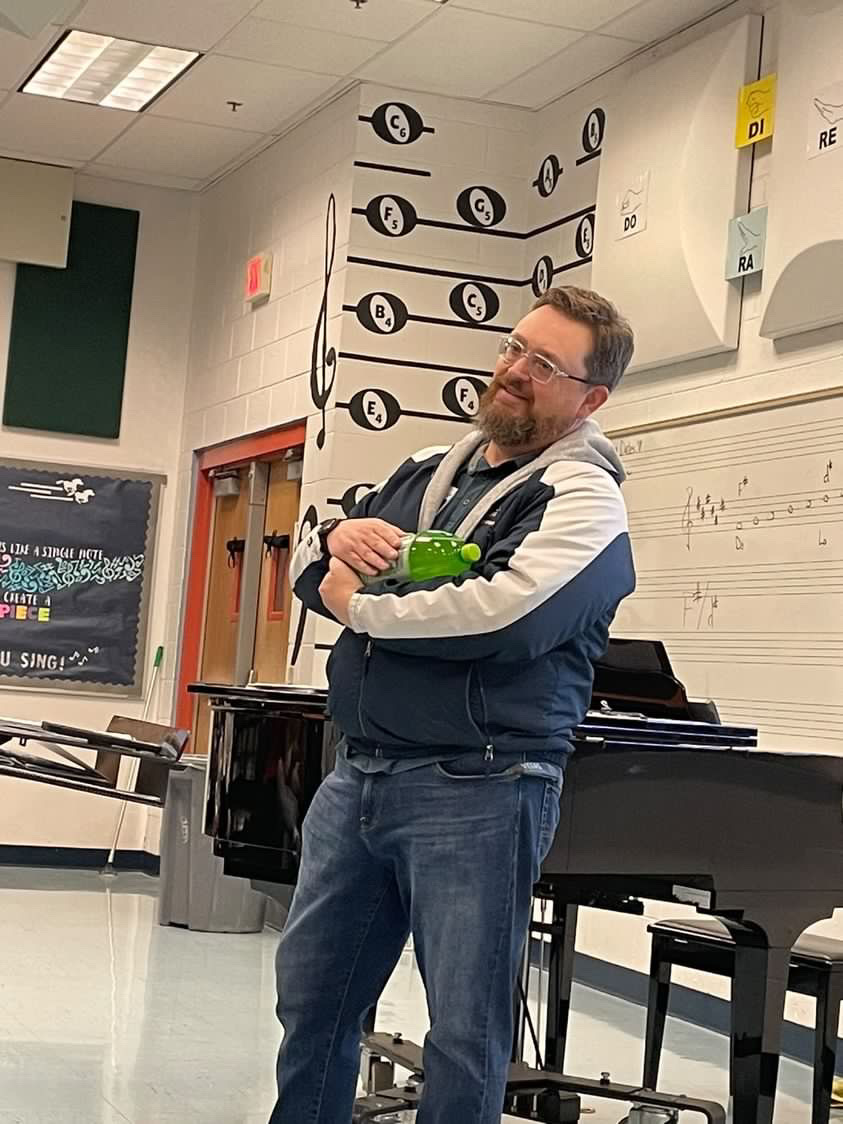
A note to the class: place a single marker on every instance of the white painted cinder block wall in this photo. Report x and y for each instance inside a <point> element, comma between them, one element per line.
<point>250,369</point>
<point>156,372</point>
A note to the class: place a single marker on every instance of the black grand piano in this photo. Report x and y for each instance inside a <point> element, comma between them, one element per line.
<point>661,800</point>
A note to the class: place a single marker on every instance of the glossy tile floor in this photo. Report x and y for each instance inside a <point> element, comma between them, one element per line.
<point>106,1017</point>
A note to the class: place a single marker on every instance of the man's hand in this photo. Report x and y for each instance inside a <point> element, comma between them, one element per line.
<point>367,545</point>
<point>339,585</point>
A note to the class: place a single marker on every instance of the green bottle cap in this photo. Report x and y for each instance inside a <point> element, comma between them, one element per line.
<point>471,552</point>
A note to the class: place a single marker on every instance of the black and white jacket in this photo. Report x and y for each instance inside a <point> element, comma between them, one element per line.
<point>499,658</point>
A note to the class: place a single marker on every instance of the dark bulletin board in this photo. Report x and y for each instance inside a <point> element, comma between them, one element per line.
<point>70,329</point>
<point>76,558</point>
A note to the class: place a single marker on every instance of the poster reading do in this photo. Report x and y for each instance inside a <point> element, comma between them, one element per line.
<point>76,554</point>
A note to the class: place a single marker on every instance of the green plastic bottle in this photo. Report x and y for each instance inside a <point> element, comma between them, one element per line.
<point>429,554</point>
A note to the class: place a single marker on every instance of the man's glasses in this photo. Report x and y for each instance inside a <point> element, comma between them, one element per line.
<point>539,368</point>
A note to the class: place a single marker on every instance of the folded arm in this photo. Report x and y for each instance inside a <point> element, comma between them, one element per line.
<point>565,565</point>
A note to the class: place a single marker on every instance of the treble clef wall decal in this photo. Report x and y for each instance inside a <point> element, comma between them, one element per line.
<point>323,359</point>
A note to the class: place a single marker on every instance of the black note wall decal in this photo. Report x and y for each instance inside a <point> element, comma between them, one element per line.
<point>391,215</point>
<point>351,497</point>
<point>481,206</point>
<point>429,271</point>
<point>391,168</point>
<point>397,123</point>
<point>542,274</point>
<point>584,238</point>
<point>545,270</point>
<point>394,216</point>
<point>413,363</point>
<point>474,302</point>
<point>548,177</point>
<point>386,313</point>
<point>592,135</point>
<point>376,409</point>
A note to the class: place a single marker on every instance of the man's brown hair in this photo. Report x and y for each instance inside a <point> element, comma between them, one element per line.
<point>613,338</point>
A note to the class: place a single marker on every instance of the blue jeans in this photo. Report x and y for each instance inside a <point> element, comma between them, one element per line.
<point>448,852</point>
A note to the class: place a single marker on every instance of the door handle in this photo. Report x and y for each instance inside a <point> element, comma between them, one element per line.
<point>234,547</point>
<point>276,542</point>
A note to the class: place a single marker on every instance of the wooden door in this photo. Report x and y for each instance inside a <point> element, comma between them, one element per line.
<point>273,623</point>
<point>222,608</point>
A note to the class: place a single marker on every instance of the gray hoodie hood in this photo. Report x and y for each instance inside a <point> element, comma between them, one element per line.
<point>585,442</point>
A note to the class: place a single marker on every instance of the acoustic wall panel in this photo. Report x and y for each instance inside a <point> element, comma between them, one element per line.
<point>35,215</point>
<point>803,271</point>
<point>670,181</point>
<point>70,330</point>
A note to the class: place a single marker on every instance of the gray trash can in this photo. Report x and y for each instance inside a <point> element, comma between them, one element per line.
<point>193,891</point>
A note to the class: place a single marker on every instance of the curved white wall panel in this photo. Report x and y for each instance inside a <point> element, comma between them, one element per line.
<point>803,272</point>
<point>675,120</point>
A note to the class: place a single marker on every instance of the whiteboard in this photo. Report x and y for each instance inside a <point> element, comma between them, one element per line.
<point>737,530</point>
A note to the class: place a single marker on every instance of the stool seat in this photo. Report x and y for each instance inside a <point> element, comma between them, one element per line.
<point>810,946</point>
<point>705,943</point>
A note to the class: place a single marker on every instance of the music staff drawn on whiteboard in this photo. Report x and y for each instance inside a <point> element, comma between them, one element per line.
<point>705,513</point>
<point>701,606</point>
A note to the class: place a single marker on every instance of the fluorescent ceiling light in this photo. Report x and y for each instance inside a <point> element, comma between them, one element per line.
<point>100,70</point>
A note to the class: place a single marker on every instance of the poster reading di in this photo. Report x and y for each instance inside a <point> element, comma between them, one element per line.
<point>76,557</point>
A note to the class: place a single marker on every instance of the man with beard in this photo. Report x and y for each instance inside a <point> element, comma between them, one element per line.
<point>456,699</point>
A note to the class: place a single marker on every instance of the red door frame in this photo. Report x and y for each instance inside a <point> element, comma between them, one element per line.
<point>264,447</point>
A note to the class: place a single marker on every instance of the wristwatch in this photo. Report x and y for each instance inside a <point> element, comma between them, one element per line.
<point>323,530</point>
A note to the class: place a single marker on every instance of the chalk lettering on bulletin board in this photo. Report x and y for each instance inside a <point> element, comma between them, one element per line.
<point>76,556</point>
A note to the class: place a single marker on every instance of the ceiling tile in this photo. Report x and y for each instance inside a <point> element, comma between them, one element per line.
<point>586,59</point>
<point>61,130</point>
<point>19,56</point>
<point>194,25</point>
<point>655,19</point>
<point>270,95</point>
<point>582,15</point>
<point>304,48</point>
<point>376,21</point>
<point>466,53</point>
<point>175,148</point>
<point>132,175</point>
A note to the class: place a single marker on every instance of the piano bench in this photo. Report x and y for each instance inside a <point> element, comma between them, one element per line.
<point>816,968</point>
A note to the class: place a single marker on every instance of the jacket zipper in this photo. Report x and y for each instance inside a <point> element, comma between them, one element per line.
<point>490,747</point>
<point>366,655</point>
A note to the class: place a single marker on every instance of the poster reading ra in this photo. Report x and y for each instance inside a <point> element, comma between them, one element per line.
<point>76,555</point>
